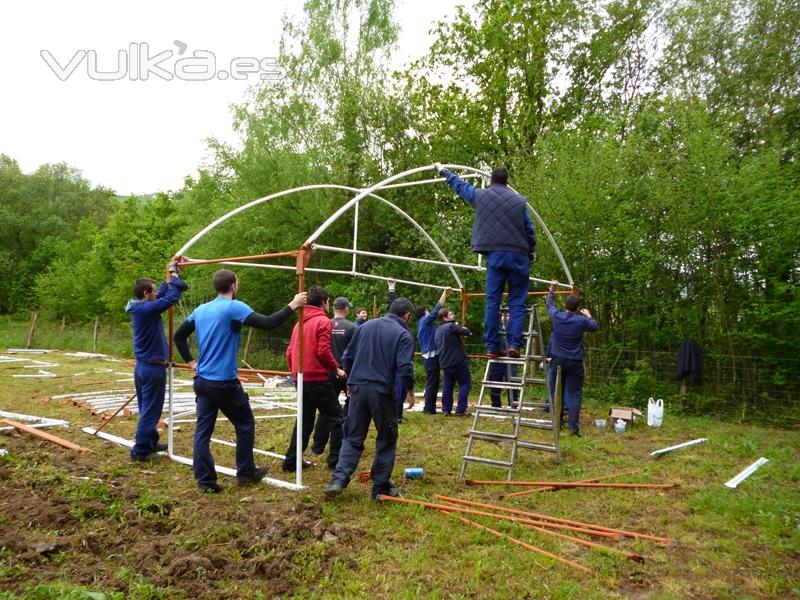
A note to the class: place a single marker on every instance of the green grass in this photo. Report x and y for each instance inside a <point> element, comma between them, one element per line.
<point>122,528</point>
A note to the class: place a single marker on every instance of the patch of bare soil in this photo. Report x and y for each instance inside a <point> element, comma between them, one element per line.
<point>78,524</point>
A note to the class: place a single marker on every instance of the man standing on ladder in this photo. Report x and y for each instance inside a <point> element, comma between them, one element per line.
<point>566,350</point>
<point>503,231</point>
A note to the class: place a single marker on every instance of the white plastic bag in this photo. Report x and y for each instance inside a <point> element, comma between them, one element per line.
<point>655,412</point>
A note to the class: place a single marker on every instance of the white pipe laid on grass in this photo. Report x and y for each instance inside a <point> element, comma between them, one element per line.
<point>683,445</point>
<point>733,483</point>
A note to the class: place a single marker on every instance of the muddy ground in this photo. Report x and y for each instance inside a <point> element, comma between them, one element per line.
<point>65,516</point>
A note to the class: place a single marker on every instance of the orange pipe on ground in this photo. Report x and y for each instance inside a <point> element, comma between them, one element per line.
<point>525,545</point>
<point>529,514</point>
<point>552,488</point>
<point>45,436</point>
<point>532,525</point>
<point>574,484</point>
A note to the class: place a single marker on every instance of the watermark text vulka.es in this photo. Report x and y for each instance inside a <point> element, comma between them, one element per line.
<point>138,63</point>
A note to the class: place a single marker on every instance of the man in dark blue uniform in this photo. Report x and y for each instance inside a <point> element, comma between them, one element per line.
<point>426,331</point>
<point>380,350</point>
<point>150,349</point>
<point>218,325</point>
<point>566,350</point>
<point>503,231</point>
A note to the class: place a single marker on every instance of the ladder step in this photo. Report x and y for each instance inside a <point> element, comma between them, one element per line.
<point>497,410</point>
<point>536,424</point>
<point>528,309</point>
<point>535,446</point>
<point>503,385</point>
<point>489,461</point>
<point>490,436</point>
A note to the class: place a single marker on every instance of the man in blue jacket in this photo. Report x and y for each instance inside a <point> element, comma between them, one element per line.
<point>426,329</point>
<point>566,350</point>
<point>150,349</point>
<point>380,350</point>
<point>503,232</point>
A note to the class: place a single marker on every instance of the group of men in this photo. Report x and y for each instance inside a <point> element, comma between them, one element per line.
<point>369,359</point>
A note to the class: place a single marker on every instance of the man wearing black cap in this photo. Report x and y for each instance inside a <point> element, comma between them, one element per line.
<point>340,337</point>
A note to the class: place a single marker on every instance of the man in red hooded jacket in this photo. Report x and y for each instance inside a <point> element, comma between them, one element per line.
<point>318,363</point>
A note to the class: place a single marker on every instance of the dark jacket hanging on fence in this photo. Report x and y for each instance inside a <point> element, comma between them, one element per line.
<point>690,359</point>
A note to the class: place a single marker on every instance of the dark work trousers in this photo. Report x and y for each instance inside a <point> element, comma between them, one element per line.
<point>572,384</point>
<point>231,399</point>
<point>318,396</point>
<point>369,403</point>
<point>149,380</point>
<point>501,372</point>
<point>431,383</point>
<point>457,373</point>
<point>502,267</point>
<point>322,429</point>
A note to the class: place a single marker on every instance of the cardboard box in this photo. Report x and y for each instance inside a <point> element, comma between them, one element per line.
<point>627,414</point>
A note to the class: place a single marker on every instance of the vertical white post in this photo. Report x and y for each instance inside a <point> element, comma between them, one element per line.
<point>355,234</point>
<point>170,376</point>
<point>299,455</point>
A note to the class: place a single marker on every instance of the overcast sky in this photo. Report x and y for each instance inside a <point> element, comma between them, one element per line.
<point>144,136</point>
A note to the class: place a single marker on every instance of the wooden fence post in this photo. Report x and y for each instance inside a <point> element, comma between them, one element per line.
<point>63,325</point>
<point>34,316</point>
<point>94,335</point>
<point>247,343</point>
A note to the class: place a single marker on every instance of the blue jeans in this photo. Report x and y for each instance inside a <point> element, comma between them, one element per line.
<point>513,268</point>
<point>369,403</point>
<point>231,399</point>
<point>431,383</point>
<point>149,380</point>
<point>456,373</point>
<point>572,384</point>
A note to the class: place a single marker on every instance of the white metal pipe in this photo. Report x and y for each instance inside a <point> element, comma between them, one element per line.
<point>255,450</point>
<point>298,462</point>
<point>185,460</point>
<point>355,236</point>
<point>683,445</point>
<point>733,483</point>
<point>427,181</point>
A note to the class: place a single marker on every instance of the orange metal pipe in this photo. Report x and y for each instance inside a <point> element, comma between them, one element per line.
<point>525,545</point>
<point>532,524</point>
<point>553,488</point>
<point>529,514</point>
<point>119,410</point>
<point>575,484</point>
<point>240,370</point>
<point>45,436</point>
<point>190,262</point>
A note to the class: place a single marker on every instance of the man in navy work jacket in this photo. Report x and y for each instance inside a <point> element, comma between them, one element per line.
<point>380,349</point>
<point>150,349</point>
<point>453,358</point>
<point>426,329</point>
<point>503,231</point>
<point>218,325</point>
<point>566,349</point>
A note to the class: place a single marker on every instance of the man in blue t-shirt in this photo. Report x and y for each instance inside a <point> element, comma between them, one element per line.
<point>151,352</point>
<point>565,349</point>
<point>218,326</point>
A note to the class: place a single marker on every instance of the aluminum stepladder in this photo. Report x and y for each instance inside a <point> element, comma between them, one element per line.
<point>497,433</point>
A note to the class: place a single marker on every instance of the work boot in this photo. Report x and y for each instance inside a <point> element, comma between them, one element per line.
<point>496,353</point>
<point>333,489</point>
<point>258,475</point>
<point>291,468</point>
<point>209,488</point>
<point>161,448</point>
<point>513,353</point>
<point>392,491</point>
<point>145,457</point>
